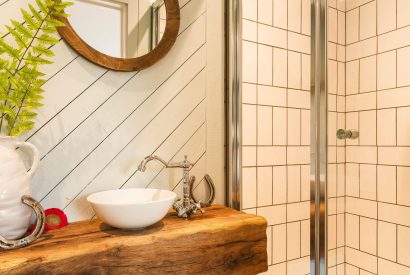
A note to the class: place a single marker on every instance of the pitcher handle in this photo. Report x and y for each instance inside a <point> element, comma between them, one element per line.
<point>36,156</point>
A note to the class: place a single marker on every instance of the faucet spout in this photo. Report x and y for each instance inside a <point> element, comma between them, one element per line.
<point>143,165</point>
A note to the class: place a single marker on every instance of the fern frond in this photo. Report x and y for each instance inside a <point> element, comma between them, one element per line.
<point>40,49</point>
<point>42,7</point>
<point>31,22</point>
<point>22,29</point>
<point>47,39</point>
<point>35,13</point>
<point>20,39</point>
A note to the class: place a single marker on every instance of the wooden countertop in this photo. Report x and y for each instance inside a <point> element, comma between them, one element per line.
<point>222,241</point>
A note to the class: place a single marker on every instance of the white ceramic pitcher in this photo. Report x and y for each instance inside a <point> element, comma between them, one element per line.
<point>15,182</point>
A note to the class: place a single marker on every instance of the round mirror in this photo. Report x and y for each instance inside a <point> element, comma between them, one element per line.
<point>123,35</point>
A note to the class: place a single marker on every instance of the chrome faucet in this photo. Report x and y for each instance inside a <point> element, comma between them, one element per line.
<point>188,206</point>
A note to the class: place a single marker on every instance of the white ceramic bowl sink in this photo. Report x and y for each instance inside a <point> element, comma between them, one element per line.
<point>132,208</point>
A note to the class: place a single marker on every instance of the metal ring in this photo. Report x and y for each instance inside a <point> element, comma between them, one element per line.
<point>41,220</point>
<point>211,186</point>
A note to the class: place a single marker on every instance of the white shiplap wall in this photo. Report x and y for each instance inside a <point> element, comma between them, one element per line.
<point>96,125</point>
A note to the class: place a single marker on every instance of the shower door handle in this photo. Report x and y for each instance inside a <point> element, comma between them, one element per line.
<point>347,134</point>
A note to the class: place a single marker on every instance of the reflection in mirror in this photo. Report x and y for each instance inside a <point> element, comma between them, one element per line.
<point>119,28</point>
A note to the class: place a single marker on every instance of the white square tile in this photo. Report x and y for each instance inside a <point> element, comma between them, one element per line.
<point>393,40</point>
<point>298,42</point>
<point>294,15</point>
<point>249,93</point>
<point>294,183</point>
<point>298,211</point>
<point>271,155</point>
<point>332,25</point>
<point>368,20</point>
<point>368,181</point>
<point>341,178</point>
<point>264,125</point>
<point>249,61</point>
<point>386,16</point>
<point>361,259</point>
<point>341,28</point>
<point>265,184</point>
<point>249,30</point>
<point>388,268</point>
<point>387,240</point>
<point>298,99</point>
<point>332,232</point>
<point>403,185</point>
<point>248,124</point>
<point>293,240</point>
<point>332,76</point>
<point>280,13</point>
<point>248,156</point>
<point>272,96</point>
<point>272,36</point>
<point>294,70</point>
<point>265,11</point>
<point>265,65</point>
<point>250,9</point>
<point>249,187</point>
<point>403,67</point>
<point>386,183</point>
<point>361,154</point>
<point>305,72</point>
<point>280,67</point>
<point>394,155</point>
<point>294,127</point>
<point>368,74</point>
<point>386,73</point>
<point>403,126</point>
<point>403,11</point>
<point>368,235</point>
<point>352,77</point>
<point>341,53</point>
<point>331,50</point>
<point>386,127</point>
<point>361,49</point>
<point>305,135</point>
<point>279,126</point>
<point>273,214</point>
<point>279,184</point>
<point>352,270</point>
<point>341,75</point>
<point>305,178</point>
<point>279,243</point>
<point>352,179</point>
<point>298,155</point>
<point>340,230</point>
<point>352,231</point>
<point>306,18</point>
<point>352,26</point>
<point>331,180</point>
<point>305,238</point>
<point>332,128</point>
<point>361,102</point>
<point>403,244</point>
<point>367,124</point>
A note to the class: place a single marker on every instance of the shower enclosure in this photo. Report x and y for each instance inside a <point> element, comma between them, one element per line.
<point>319,131</point>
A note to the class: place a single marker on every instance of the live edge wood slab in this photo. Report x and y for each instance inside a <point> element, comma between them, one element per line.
<point>221,241</point>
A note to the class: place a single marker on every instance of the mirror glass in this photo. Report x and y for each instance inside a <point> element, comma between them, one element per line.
<point>119,28</point>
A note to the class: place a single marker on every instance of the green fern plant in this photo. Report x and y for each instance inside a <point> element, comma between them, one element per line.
<point>28,47</point>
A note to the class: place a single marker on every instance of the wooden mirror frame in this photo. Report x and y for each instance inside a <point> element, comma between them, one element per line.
<point>127,64</point>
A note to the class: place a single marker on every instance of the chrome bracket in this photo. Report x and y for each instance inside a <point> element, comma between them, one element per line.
<point>41,220</point>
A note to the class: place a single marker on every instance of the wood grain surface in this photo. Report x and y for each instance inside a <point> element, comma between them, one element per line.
<point>222,241</point>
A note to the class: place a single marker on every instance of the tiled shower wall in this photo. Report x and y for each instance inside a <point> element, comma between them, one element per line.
<point>336,148</point>
<point>276,126</point>
<point>378,163</point>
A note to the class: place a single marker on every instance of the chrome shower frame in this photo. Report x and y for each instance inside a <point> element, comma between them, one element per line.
<point>234,103</point>
<point>318,137</point>
<point>318,172</point>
